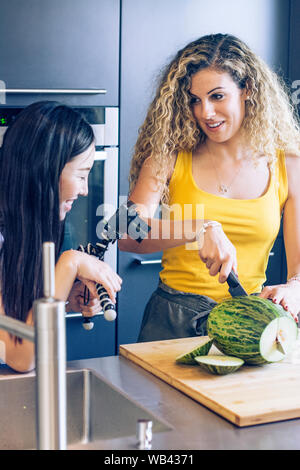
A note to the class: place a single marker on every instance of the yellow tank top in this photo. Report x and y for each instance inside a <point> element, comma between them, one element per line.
<point>251,225</point>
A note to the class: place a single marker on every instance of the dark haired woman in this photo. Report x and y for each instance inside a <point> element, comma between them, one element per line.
<point>45,161</point>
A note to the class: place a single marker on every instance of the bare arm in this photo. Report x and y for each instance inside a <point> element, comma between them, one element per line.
<point>164,233</point>
<point>19,356</point>
<point>288,295</point>
<point>291,218</point>
<point>71,265</point>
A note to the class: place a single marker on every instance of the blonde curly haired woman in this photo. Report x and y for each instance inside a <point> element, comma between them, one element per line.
<point>221,135</point>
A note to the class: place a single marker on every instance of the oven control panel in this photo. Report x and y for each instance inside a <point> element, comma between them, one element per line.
<point>104,122</point>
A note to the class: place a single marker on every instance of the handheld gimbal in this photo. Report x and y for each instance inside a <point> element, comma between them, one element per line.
<point>125,220</point>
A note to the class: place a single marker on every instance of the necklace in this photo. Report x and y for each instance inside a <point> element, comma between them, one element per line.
<point>222,187</point>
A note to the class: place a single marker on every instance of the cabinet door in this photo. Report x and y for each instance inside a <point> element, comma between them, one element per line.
<point>151,34</point>
<point>61,44</point>
<point>294,60</point>
<point>140,278</point>
<point>85,344</point>
<point>276,271</point>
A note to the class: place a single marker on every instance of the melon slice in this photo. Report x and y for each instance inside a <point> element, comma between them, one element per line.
<point>201,350</point>
<point>217,364</point>
<point>278,339</point>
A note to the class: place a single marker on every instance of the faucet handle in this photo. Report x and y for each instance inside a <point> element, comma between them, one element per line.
<point>49,269</point>
<point>144,434</point>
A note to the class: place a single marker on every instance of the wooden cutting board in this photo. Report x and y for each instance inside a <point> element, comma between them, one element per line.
<point>252,395</point>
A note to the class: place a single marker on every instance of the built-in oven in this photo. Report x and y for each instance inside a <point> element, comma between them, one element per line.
<point>82,222</point>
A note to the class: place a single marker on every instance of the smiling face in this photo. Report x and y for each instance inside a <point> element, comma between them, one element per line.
<point>74,180</point>
<point>218,104</point>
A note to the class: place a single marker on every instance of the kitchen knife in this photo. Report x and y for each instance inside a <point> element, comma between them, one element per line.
<point>235,287</point>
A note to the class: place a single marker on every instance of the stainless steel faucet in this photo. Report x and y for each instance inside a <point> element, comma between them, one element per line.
<point>49,336</point>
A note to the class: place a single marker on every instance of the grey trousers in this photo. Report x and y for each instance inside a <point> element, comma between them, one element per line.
<point>171,314</point>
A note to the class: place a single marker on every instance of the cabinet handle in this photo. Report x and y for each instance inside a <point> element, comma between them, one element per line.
<point>147,261</point>
<point>79,315</point>
<point>75,91</point>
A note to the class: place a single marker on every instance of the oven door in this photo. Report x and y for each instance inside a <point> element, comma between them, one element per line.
<point>81,228</point>
<point>81,223</point>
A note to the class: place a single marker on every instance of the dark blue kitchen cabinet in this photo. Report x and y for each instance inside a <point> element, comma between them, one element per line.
<point>60,44</point>
<point>277,269</point>
<point>151,34</point>
<point>85,344</point>
<point>140,278</point>
<point>294,59</point>
<point>82,343</point>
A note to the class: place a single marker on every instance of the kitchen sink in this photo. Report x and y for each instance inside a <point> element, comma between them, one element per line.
<point>96,410</point>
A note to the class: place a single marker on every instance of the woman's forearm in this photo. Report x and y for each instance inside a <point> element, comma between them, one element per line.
<point>163,234</point>
<point>65,274</point>
<point>18,356</point>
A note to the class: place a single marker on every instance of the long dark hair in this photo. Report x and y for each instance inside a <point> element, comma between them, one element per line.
<point>43,138</point>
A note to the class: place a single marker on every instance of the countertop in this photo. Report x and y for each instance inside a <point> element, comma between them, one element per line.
<point>193,427</point>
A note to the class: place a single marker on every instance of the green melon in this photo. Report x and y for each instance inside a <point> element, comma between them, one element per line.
<point>201,350</point>
<point>253,329</point>
<point>217,364</point>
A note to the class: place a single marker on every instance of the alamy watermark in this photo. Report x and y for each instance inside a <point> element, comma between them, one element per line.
<point>175,222</point>
<point>295,96</point>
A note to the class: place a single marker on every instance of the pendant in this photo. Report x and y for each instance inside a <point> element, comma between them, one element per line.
<point>223,189</point>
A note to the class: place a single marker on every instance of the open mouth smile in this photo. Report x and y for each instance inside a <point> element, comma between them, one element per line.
<point>214,125</point>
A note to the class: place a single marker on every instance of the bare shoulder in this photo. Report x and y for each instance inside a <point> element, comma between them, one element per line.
<point>148,189</point>
<point>153,165</point>
<point>292,160</point>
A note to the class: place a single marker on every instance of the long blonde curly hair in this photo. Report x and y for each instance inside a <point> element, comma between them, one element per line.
<point>270,121</point>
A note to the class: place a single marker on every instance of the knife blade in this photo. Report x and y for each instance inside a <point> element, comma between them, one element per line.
<point>280,341</point>
<point>280,347</point>
<point>235,287</point>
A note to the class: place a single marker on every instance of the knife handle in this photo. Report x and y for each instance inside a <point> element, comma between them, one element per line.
<point>232,279</point>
